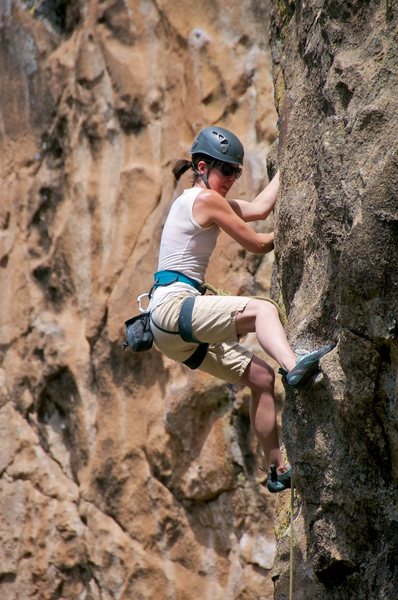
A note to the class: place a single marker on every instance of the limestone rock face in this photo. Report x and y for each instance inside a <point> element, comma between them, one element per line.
<point>123,476</point>
<point>335,68</point>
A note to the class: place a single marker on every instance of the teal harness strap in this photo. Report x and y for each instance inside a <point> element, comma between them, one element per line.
<point>185,320</point>
<point>168,277</point>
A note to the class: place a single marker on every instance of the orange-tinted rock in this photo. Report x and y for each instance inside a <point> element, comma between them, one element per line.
<point>122,476</point>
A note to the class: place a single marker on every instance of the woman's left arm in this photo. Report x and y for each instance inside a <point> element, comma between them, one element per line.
<point>261,206</point>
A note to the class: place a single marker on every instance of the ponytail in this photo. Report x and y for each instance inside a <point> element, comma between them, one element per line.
<point>180,167</point>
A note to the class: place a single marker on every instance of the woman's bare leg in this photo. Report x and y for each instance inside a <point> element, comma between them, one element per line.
<point>263,318</point>
<point>259,377</point>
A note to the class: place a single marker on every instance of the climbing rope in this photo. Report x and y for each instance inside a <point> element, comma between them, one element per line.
<point>291,569</point>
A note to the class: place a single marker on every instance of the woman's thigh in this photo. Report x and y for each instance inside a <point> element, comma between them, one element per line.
<point>214,318</point>
<point>228,362</point>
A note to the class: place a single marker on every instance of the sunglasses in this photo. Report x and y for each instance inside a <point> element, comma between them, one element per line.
<point>227,169</point>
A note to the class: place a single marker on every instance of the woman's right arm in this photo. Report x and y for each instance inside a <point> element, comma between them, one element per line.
<point>211,208</point>
<point>261,206</point>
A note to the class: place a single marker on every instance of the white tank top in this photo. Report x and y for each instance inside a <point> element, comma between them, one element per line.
<point>185,246</point>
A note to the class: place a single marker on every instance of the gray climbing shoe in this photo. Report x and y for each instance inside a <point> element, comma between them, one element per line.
<point>305,367</point>
<point>279,482</point>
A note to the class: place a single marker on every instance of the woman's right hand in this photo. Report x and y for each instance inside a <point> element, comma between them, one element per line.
<point>268,242</point>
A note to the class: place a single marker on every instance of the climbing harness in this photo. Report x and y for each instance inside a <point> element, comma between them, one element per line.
<point>167,277</point>
<point>139,336</point>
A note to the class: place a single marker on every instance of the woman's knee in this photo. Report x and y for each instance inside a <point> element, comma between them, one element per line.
<point>258,304</point>
<point>246,320</point>
<point>264,306</point>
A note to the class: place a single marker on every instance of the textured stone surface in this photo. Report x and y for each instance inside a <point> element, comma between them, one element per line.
<point>335,68</point>
<point>122,476</point>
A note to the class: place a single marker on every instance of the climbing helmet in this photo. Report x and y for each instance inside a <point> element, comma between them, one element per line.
<point>219,144</point>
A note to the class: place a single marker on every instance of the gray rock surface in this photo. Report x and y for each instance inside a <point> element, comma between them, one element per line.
<point>336,75</point>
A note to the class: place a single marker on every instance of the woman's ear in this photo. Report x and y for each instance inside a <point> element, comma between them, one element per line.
<point>202,167</point>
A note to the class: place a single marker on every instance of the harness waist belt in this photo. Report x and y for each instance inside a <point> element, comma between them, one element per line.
<point>168,277</point>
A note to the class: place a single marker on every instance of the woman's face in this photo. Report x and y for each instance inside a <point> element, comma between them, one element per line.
<point>221,176</point>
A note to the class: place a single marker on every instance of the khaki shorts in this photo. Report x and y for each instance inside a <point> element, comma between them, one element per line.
<point>213,322</point>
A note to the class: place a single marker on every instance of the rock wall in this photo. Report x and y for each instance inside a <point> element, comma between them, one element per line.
<point>123,476</point>
<point>335,71</point>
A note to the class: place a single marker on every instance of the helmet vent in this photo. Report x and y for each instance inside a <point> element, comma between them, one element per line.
<point>222,140</point>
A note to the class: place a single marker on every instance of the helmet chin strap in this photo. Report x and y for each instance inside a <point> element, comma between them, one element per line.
<point>203,177</point>
<point>205,180</point>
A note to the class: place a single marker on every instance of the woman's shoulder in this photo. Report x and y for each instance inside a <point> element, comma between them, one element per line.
<point>187,197</point>
<point>209,197</point>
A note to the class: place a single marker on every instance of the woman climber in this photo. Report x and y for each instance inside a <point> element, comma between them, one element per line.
<point>203,331</point>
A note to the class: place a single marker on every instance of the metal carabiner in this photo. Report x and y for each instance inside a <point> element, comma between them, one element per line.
<point>139,302</point>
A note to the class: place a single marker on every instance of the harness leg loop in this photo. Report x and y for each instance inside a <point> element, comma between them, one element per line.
<point>185,320</point>
<point>185,330</point>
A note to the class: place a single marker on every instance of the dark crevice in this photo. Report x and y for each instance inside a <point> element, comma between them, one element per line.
<point>345,94</point>
<point>53,277</point>
<point>344,10</point>
<point>336,573</point>
<point>44,216</point>
<point>131,115</point>
<point>58,407</point>
<point>385,354</point>
<point>62,15</point>
<point>52,144</point>
<point>116,19</point>
<point>7,577</point>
